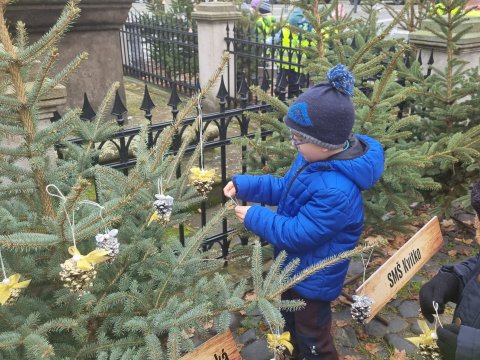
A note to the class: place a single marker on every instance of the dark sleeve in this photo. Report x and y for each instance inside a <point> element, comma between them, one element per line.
<point>468,344</point>
<point>463,270</point>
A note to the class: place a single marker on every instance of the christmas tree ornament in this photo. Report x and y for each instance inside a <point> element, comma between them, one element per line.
<point>362,304</point>
<point>202,180</point>
<point>109,242</point>
<point>10,289</point>
<point>75,279</point>
<point>427,341</point>
<point>78,272</point>
<point>163,205</point>
<point>360,308</point>
<point>280,345</point>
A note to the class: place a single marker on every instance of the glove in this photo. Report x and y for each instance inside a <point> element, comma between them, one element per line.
<point>447,340</point>
<point>475,197</point>
<point>442,288</point>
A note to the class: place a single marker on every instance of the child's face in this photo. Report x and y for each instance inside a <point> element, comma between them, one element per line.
<point>310,152</point>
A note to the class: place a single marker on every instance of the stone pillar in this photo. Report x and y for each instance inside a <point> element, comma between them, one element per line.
<point>96,31</point>
<point>468,47</point>
<point>212,19</point>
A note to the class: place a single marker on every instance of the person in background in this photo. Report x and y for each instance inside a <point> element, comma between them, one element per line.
<point>319,203</point>
<point>266,21</point>
<point>290,55</point>
<point>460,284</point>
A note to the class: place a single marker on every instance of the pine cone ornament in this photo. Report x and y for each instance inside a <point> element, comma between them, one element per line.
<point>280,345</point>
<point>75,279</point>
<point>10,289</point>
<point>109,242</point>
<point>14,295</point>
<point>163,206</point>
<point>429,352</point>
<point>426,342</point>
<point>202,180</point>
<point>361,308</point>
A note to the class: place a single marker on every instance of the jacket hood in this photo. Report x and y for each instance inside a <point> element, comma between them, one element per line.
<point>296,17</point>
<point>362,163</point>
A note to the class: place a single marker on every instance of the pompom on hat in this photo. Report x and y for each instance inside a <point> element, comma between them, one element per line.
<point>324,115</point>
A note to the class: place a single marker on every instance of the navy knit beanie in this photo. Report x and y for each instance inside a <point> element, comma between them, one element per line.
<point>324,114</point>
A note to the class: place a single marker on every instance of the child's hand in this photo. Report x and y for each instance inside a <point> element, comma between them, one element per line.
<point>241,212</point>
<point>229,190</point>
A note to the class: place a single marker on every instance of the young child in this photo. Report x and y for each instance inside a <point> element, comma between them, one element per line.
<point>320,211</point>
<point>459,283</point>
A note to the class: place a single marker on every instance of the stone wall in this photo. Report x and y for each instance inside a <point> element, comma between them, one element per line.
<point>96,32</point>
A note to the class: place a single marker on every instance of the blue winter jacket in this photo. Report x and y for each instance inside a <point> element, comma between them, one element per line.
<point>319,213</point>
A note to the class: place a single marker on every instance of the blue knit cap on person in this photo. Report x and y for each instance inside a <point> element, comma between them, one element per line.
<point>324,115</point>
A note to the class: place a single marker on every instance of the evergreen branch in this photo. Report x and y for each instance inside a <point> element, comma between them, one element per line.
<point>24,241</point>
<point>192,244</point>
<point>188,108</point>
<point>179,156</point>
<point>257,265</point>
<point>69,14</point>
<point>56,325</point>
<point>85,351</point>
<point>319,266</point>
<point>277,104</point>
<point>21,38</point>
<point>42,74</point>
<point>360,54</point>
<point>61,76</point>
<point>385,79</point>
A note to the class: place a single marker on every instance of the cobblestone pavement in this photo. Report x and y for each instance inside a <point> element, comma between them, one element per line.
<point>397,320</point>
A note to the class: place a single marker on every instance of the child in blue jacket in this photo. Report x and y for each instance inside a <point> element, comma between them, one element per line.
<point>319,203</point>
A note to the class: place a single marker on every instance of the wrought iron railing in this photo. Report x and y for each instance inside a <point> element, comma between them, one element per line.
<point>223,121</point>
<point>161,50</point>
<point>275,61</point>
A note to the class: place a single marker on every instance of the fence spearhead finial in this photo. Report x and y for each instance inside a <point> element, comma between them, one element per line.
<point>222,91</point>
<point>243,90</point>
<point>147,102</point>
<point>265,81</point>
<point>119,108</point>
<point>87,114</point>
<point>174,100</point>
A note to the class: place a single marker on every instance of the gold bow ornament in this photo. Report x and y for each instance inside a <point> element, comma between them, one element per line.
<point>202,180</point>
<point>87,262</point>
<point>154,217</point>
<point>9,287</point>
<point>277,342</point>
<point>426,342</point>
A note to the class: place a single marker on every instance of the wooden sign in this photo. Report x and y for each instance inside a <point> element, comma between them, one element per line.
<point>220,347</point>
<point>401,266</point>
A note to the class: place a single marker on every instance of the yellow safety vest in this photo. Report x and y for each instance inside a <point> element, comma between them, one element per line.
<point>266,25</point>
<point>291,52</point>
<point>440,10</point>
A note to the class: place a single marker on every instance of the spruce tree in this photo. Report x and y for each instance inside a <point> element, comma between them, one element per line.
<point>76,299</point>
<point>425,146</point>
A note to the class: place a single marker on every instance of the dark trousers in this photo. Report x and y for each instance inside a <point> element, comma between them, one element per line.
<point>310,329</point>
<point>292,77</point>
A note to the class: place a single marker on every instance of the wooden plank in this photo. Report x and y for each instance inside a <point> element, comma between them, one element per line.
<point>220,347</point>
<point>401,266</point>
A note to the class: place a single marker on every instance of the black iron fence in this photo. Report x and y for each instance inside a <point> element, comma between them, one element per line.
<point>161,50</point>
<point>228,124</point>
<point>275,61</point>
